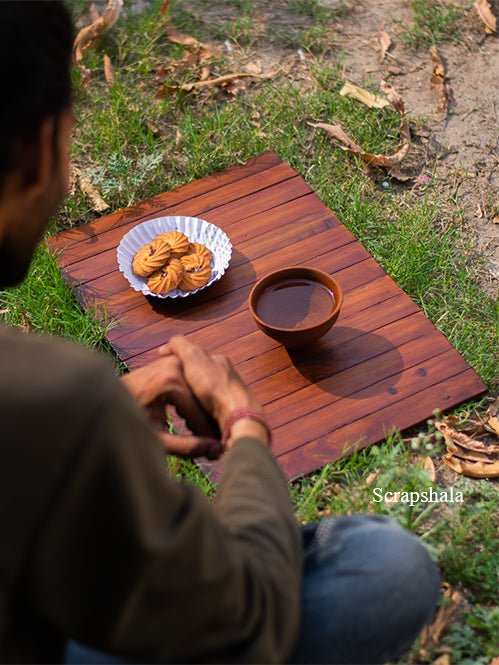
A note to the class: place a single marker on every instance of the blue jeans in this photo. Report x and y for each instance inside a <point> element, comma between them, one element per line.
<point>368,589</point>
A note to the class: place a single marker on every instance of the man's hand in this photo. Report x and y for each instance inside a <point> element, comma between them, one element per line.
<point>216,385</point>
<point>161,383</point>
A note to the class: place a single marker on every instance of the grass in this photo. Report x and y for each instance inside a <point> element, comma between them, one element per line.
<point>415,236</point>
<point>435,22</point>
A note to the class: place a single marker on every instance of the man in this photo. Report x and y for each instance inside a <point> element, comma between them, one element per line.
<point>98,545</point>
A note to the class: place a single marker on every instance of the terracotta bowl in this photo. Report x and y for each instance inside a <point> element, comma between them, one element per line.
<point>296,335</point>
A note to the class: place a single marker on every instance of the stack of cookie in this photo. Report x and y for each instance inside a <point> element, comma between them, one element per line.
<point>170,261</point>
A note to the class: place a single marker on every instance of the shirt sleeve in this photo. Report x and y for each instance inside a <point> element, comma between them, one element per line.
<point>129,561</point>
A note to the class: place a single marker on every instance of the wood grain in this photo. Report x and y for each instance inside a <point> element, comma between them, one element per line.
<point>383,364</point>
<point>343,441</point>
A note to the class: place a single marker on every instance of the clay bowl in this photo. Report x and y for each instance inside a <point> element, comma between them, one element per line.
<point>294,306</point>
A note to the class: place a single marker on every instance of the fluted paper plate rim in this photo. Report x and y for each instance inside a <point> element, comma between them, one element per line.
<point>196,229</point>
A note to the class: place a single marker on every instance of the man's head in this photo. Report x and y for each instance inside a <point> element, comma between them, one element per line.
<point>35,125</point>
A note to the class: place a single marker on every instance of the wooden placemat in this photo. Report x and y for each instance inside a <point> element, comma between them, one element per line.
<point>382,366</point>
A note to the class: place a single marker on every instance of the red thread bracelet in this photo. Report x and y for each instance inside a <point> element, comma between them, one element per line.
<point>238,414</point>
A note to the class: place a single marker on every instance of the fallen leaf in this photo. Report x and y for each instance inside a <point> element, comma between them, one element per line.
<point>444,659</point>
<point>429,467</point>
<point>108,69</point>
<point>384,42</point>
<point>437,79</point>
<point>93,194</point>
<point>485,13</point>
<point>205,73</point>
<point>455,438</point>
<point>472,469</point>
<point>88,35</point>
<point>364,96</point>
<point>203,51</point>
<point>371,478</point>
<point>199,85</point>
<point>431,634</point>
<point>390,162</point>
<point>493,423</point>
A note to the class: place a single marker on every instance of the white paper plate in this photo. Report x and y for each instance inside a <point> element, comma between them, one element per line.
<point>197,230</point>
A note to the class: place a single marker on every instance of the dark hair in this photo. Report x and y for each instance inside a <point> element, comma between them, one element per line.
<point>36,40</point>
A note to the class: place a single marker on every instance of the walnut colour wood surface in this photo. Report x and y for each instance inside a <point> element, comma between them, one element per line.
<point>383,364</point>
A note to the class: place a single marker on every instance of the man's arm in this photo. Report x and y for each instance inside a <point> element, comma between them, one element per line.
<point>128,561</point>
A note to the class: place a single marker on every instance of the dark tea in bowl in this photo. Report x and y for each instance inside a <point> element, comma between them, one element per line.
<point>296,306</point>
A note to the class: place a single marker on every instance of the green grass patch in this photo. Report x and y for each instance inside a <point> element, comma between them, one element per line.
<point>434,22</point>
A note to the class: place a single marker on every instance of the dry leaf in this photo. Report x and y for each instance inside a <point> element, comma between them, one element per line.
<point>455,438</point>
<point>364,96</point>
<point>429,467</point>
<point>371,478</point>
<point>87,36</point>
<point>492,413</point>
<point>444,659</point>
<point>493,423</point>
<point>199,85</point>
<point>431,634</point>
<point>93,194</point>
<point>437,79</point>
<point>390,162</point>
<point>203,51</point>
<point>472,469</point>
<point>384,43</point>
<point>485,13</point>
<point>205,73</point>
<point>108,69</point>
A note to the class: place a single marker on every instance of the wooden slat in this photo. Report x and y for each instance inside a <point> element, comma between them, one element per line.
<point>235,300</point>
<point>103,262</point>
<point>156,204</point>
<point>115,292</point>
<point>312,383</point>
<point>401,414</point>
<point>144,313</point>
<point>344,345</point>
<point>241,339</point>
<point>382,365</point>
<point>262,190</point>
<point>395,386</point>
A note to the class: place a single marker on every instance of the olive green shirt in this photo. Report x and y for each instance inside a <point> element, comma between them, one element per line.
<point>98,544</point>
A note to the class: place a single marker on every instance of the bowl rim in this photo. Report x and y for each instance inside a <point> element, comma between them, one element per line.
<point>282,272</point>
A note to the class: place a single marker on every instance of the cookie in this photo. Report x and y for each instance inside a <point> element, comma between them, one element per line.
<point>167,278</point>
<point>151,257</point>
<point>179,243</point>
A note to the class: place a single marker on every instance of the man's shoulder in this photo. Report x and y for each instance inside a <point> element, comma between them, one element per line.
<point>38,369</point>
